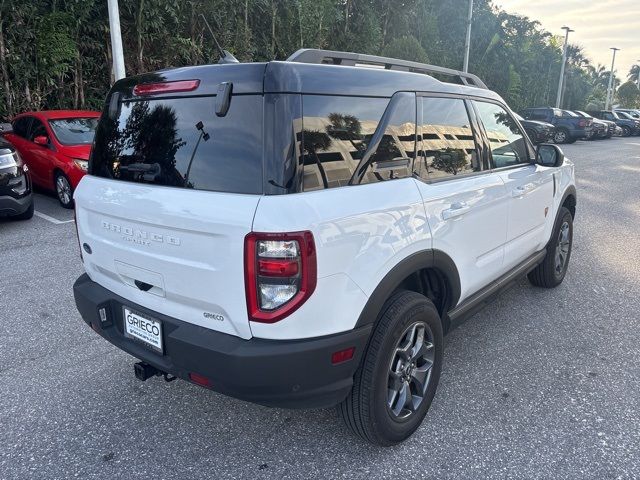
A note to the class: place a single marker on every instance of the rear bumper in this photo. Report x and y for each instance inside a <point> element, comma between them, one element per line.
<point>10,205</point>
<point>289,374</point>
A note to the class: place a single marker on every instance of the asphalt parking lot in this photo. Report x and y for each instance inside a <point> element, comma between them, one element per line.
<point>540,384</point>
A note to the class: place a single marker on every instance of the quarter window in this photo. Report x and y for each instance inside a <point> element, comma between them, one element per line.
<point>508,144</point>
<point>448,146</point>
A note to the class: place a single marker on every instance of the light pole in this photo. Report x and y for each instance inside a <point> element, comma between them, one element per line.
<point>467,43</point>
<point>610,88</point>
<point>638,73</point>
<point>564,61</point>
<point>116,40</point>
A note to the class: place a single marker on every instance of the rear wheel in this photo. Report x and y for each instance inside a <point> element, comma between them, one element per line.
<point>552,270</point>
<point>394,386</point>
<point>561,136</point>
<point>64,190</point>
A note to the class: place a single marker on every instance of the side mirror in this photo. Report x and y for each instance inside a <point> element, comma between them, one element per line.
<point>41,140</point>
<point>549,155</point>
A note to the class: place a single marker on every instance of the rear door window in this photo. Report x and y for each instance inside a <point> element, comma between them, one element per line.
<point>337,132</point>
<point>21,126</point>
<point>448,145</point>
<point>180,142</point>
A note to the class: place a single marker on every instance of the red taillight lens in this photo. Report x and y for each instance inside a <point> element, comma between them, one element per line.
<point>166,87</point>
<point>280,273</point>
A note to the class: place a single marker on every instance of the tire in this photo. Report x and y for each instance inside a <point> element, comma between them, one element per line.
<point>561,136</point>
<point>64,190</point>
<point>27,214</point>
<point>372,410</point>
<point>549,274</point>
<point>626,131</point>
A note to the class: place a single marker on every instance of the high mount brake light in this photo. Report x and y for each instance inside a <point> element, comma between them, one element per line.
<point>280,273</point>
<point>165,87</point>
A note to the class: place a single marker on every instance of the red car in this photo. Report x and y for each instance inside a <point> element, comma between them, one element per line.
<point>55,144</point>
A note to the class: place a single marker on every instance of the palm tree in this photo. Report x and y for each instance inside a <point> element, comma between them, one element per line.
<point>634,73</point>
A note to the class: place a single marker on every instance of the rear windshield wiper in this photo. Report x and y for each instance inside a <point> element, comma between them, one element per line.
<point>149,170</point>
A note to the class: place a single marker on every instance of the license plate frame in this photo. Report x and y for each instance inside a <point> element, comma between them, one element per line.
<point>140,328</point>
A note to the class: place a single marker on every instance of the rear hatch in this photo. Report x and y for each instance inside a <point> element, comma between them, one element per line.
<point>173,185</point>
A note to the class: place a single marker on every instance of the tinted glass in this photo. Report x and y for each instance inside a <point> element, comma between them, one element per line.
<point>337,132</point>
<point>448,146</point>
<point>37,130</point>
<point>21,126</point>
<point>508,146</point>
<point>180,142</point>
<point>74,131</point>
<point>567,113</point>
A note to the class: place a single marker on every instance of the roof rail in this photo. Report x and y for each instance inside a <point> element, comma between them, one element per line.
<point>311,55</point>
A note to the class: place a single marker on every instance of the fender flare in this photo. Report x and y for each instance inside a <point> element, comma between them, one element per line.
<point>570,191</point>
<point>408,265</point>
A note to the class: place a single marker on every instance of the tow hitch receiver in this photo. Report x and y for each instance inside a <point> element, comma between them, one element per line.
<point>144,371</point>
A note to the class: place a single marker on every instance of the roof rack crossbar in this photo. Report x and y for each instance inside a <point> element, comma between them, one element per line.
<point>330,57</point>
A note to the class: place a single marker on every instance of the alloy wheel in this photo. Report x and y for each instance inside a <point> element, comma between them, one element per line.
<point>410,370</point>
<point>63,189</point>
<point>562,248</point>
<point>560,137</point>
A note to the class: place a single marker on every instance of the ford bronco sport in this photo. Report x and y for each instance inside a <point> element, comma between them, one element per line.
<point>302,233</point>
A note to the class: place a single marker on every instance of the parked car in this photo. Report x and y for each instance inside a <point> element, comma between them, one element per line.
<point>629,126</point>
<point>302,234</point>
<point>569,126</point>
<point>539,132</point>
<point>55,144</point>
<point>628,116</point>
<point>601,128</point>
<point>634,113</point>
<point>16,199</point>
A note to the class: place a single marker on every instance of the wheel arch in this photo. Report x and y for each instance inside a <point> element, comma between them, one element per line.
<point>569,200</point>
<point>409,274</point>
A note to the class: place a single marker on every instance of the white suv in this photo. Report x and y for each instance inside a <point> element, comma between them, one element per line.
<point>302,233</point>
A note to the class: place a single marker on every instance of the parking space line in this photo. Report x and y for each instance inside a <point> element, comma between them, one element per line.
<point>55,221</point>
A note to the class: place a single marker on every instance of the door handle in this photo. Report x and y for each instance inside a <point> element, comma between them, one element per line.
<point>456,210</point>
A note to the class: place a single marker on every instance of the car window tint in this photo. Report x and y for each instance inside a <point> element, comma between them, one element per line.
<point>337,132</point>
<point>21,126</point>
<point>508,145</point>
<point>448,147</point>
<point>37,130</point>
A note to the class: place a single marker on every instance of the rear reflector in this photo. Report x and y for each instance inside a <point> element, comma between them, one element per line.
<point>343,355</point>
<point>200,379</point>
<point>166,87</point>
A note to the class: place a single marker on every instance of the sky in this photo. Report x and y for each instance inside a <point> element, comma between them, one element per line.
<point>598,25</point>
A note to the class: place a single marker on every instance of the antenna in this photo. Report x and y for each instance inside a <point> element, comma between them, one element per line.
<point>225,56</point>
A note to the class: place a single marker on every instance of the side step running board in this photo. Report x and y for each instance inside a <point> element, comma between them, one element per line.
<point>476,301</point>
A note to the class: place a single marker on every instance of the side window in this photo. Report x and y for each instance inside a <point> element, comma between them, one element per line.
<point>538,115</point>
<point>21,126</point>
<point>448,147</point>
<point>37,129</point>
<point>508,144</point>
<point>337,132</point>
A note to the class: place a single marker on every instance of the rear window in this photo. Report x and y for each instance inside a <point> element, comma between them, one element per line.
<point>74,131</point>
<point>180,142</point>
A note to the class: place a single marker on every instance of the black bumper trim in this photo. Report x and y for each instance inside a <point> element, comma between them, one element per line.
<point>289,374</point>
<point>10,205</point>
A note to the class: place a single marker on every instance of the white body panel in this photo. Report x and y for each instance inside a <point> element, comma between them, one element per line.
<point>360,232</point>
<point>188,245</point>
<point>468,218</point>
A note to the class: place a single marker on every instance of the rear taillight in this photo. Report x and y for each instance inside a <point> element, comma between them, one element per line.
<point>280,273</point>
<point>165,87</point>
